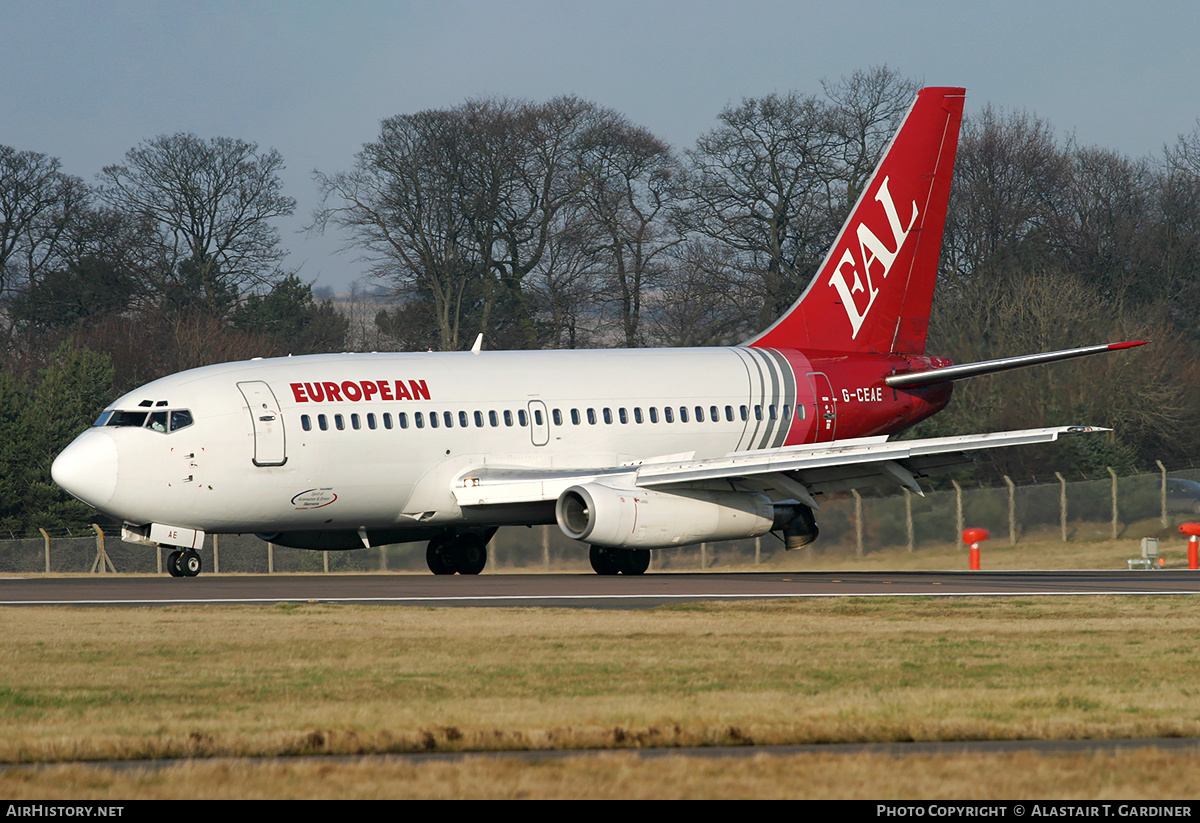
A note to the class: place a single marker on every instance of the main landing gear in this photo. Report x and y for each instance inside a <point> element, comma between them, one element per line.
<point>619,561</point>
<point>184,563</point>
<point>461,552</point>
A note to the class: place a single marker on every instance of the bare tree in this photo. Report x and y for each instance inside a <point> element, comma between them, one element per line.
<point>865,111</point>
<point>37,204</point>
<point>1010,184</point>
<point>758,184</point>
<point>459,207</point>
<point>210,203</point>
<point>630,189</point>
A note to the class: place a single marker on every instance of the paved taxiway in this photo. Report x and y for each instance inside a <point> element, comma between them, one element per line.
<point>578,590</point>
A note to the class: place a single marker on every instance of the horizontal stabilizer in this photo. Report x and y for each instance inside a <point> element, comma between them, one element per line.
<point>951,373</point>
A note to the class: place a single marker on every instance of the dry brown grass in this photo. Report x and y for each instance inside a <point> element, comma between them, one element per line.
<point>1145,774</point>
<point>308,679</point>
<point>996,555</point>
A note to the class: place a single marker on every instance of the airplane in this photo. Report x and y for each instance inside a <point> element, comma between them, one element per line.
<point>626,450</point>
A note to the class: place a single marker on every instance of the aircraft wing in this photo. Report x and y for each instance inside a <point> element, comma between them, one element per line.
<point>799,471</point>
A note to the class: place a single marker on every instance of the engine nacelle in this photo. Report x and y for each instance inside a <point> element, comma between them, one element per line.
<point>648,519</point>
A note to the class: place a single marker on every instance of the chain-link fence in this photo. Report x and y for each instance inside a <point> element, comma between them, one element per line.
<point>1131,507</point>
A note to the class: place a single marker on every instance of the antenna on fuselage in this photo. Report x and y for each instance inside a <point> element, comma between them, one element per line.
<point>478,345</point>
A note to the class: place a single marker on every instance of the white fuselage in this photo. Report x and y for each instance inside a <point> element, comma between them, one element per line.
<point>354,441</point>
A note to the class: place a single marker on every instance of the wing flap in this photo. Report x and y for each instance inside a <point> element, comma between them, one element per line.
<point>821,467</point>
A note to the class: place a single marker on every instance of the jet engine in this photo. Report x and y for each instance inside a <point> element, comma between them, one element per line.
<point>647,519</point>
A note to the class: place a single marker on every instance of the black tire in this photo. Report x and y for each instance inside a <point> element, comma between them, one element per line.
<point>190,564</point>
<point>469,553</point>
<point>633,562</point>
<point>603,560</point>
<point>175,563</point>
<point>438,555</point>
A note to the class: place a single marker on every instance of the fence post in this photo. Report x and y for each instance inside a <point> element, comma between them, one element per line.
<point>908,521</point>
<point>1062,504</point>
<point>858,523</point>
<point>46,547</point>
<point>216,554</point>
<point>1163,493</point>
<point>1114,501</point>
<point>703,556</point>
<point>325,560</point>
<point>270,558</point>
<point>101,561</point>
<point>958,520</point>
<point>545,548</point>
<point>1012,510</point>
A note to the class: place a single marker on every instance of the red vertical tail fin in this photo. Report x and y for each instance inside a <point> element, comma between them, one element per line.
<point>874,290</point>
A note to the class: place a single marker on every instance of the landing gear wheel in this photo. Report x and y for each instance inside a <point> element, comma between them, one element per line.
<point>439,555</point>
<point>633,562</point>
<point>190,563</point>
<point>603,560</point>
<point>175,563</point>
<point>470,553</point>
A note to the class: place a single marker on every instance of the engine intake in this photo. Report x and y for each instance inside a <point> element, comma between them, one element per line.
<point>648,519</point>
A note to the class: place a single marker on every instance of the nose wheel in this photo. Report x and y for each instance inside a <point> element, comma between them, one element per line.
<point>182,563</point>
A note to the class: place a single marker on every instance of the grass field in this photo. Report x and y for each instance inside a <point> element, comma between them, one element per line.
<point>326,679</point>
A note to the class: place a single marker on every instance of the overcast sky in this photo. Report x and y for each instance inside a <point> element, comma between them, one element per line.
<point>86,81</point>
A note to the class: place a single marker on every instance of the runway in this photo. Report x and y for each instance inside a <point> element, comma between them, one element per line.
<point>576,590</point>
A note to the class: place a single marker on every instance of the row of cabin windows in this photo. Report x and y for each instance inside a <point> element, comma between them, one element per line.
<point>521,418</point>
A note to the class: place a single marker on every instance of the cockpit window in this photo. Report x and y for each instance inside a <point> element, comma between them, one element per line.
<point>160,421</point>
<point>127,418</point>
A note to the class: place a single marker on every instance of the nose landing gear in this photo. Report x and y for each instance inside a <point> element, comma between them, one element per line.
<point>182,563</point>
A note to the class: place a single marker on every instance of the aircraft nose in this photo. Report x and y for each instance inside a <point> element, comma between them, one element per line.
<point>87,469</point>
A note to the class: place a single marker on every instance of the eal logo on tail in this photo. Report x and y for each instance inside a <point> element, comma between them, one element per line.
<point>873,251</point>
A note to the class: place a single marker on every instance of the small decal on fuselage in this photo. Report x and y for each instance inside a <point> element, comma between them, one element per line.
<point>870,394</point>
<point>314,499</point>
<point>355,390</point>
